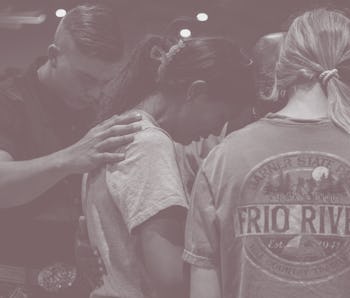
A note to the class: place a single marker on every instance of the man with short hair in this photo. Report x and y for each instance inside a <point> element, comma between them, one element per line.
<point>42,113</point>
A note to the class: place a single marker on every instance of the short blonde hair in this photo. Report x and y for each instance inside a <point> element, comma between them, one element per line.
<point>317,41</point>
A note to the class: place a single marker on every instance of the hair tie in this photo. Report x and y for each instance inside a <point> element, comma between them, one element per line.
<point>327,75</point>
<point>167,57</point>
<point>175,49</point>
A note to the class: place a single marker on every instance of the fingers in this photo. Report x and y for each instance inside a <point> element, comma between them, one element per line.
<point>121,120</point>
<point>100,144</point>
<point>113,143</point>
<point>104,158</point>
<point>120,130</point>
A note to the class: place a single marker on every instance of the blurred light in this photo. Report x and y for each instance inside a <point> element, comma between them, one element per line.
<point>202,17</point>
<point>60,13</point>
<point>185,33</point>
<point>15,20</point>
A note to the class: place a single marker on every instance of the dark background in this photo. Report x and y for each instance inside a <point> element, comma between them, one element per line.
<point>244,20</point>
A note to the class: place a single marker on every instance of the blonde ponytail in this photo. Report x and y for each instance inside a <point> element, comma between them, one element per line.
<point>316,49</point>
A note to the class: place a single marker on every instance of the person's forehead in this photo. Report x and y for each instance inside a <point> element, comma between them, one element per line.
<point>92,66</point>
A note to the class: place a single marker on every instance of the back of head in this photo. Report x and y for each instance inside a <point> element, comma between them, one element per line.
<point>316,50</point>
<point>135,80</point>
<point>95,31</point>
<point>216,60</point>
<point>159,64</point>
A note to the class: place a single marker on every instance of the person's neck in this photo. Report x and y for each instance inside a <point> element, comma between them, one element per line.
<point>306,103</point>
<point>156,106</point>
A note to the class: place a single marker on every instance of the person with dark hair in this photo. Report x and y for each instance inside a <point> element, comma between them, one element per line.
<point>44,114</point>
<point>136,209</point>
<point>269,213</point>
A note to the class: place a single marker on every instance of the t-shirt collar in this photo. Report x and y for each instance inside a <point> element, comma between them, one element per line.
<point>291,120</point>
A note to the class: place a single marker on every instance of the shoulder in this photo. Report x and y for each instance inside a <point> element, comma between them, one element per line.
<point>235,149</point>
<point>152,137</point>
<point>151,148</point>
<point>248,131</point>
<point>248,137</point>
<point>240,139</point>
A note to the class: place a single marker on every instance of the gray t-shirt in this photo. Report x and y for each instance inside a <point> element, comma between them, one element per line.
<point>270,210</point>
<point>122,196</point>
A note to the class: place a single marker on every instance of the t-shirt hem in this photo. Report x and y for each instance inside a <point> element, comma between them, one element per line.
<point>154,209</point>
<point>198,261</point>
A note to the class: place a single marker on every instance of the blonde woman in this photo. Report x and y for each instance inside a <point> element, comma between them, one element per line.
<point>270,209</point>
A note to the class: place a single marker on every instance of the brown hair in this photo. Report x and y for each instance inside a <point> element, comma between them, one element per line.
<point>95,30</point>
<point>216,60</point>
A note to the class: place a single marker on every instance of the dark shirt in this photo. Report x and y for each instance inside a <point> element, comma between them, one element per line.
<point>34,123</point>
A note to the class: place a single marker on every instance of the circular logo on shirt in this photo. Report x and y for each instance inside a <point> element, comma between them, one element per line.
<point>294,216</point>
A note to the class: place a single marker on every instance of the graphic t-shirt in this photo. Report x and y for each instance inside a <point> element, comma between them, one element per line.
<point>270,211</point>
<point>122,196</point>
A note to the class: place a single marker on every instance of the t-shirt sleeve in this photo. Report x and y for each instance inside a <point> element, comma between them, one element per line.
<point>10,123</point>
<point>201,238</point>
<point>148,180</point>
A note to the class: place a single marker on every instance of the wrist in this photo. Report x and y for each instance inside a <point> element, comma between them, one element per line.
<point>62,163</point>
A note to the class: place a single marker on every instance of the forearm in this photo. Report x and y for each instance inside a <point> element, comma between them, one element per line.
<point>164,265</point>
<point>162,248</point>
<point>171,279</point>
<point>23,181</point>
<point>204,283</point>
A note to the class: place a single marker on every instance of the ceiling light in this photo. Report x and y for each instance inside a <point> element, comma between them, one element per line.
<point>60,13</point>
<point>185,33</point>
<point>202,17</point>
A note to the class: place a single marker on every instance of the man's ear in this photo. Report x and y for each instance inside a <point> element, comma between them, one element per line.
<point>197,90</point>
<point>53,53</point>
